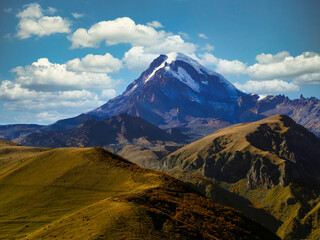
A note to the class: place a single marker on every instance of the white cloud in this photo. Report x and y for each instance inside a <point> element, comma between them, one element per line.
<point>13,91</point>
<point>125,30</point>
<point>208,47</point>
<point>137,59</point>
<point>77,15</point>
<point>275,86</point>
<point>307,79</point>
<point>33,22</point>
<point>47,107</point>
<point>145,40</point>
<point>155,24</point>
<point>269,58</point>
<point>302,69</point>
<point>208,59</point>
<point>107,94</point>
<point>224,67</point>
<point>95,63</point>
<point>46,76</point>
<point>120,30</point>
<point>234,67</point>
<point>202,35</point>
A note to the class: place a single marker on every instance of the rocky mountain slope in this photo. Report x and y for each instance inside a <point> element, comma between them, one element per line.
<point>272,164</point>
<point>89,193</point>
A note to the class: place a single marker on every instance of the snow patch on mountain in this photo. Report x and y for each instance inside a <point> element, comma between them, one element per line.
<point>184,77</point>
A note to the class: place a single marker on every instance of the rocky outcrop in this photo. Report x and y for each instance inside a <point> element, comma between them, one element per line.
<point>270,152</point>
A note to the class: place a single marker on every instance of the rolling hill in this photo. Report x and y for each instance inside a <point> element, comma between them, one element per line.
<point>90,193</point>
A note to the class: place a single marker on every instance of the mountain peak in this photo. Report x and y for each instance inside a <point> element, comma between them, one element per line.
<point>174,89</point>
<point>170,58</point>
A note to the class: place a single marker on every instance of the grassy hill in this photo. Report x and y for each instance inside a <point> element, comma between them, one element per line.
<point>90,193</point>
<point>269,170</point>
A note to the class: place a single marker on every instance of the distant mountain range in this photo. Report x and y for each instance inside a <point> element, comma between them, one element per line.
<point>123,134</point>
<point>176,91</point>
<point>273,164</point>
<point>119,129</point>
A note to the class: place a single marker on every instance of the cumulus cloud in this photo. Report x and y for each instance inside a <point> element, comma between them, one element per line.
<point>77,15</point>
<point>95,63</point>
<point>223,66</point>
<point>155,24</point>
<point>208,59</point>
<point>145,40</point>
<point>125,30</point>
<point>107,94</point>
<point>120,30</point>
<point>269,58</point>
<point>302,69</point>
<point>33,22</point>
<point>44,75</point>
<point>51,91</point>
<point>234,67</point>
<point>20,98</point>
<point>202,35</point>
<point>49,106</point>
<point>137,59</point>
<point>275,86</point>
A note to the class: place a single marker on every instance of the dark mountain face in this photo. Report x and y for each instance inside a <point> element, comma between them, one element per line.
<point>175,90</point>
<point>114,130</point>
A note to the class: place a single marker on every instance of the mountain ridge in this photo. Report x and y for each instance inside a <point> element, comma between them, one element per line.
<point>271,165</point>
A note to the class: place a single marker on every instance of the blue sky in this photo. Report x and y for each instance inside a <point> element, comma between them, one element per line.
<point>61,58</point>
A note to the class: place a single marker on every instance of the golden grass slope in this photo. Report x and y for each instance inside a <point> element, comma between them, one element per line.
<point>89,193</point>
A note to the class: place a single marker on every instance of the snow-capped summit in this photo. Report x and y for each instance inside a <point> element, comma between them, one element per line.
<point>176,90</point>
<point>185,69</point>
